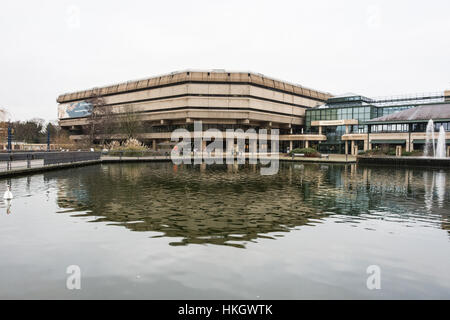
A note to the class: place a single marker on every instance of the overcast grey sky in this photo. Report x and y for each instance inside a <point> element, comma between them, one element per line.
<point>369,47</point>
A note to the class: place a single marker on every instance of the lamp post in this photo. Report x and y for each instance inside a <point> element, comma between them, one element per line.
<point>9,138</point>
<point>48,140</point>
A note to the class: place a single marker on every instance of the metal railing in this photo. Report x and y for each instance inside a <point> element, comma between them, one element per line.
<point>21,160</point>
<point>137,154</point>
<point>416,98</point>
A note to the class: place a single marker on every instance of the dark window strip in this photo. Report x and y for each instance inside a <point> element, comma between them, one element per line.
<point>198,108</point>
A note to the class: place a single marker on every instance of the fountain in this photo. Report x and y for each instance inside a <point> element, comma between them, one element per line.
<point>429,150</point>
<point>432,149</point>
<point>440,149</point>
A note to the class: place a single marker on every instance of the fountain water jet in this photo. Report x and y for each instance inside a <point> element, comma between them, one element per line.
<point>440,149</point>
<point>433,149</point>
<point>429,150</point>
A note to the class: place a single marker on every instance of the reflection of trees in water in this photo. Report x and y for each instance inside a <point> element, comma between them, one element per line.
<point>228,205</point>
<point>213,206</point>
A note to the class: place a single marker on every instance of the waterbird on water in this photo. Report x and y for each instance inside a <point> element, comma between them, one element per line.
<point>8,194</point>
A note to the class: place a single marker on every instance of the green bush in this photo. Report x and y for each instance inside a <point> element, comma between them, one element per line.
<point>126,153</point>
<point>370,153</point>
<point>415,153</point>
<point>308,152</point>
<point>391,153</point>
<point>407,154</point>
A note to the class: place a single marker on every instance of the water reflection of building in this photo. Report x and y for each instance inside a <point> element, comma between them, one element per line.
<point>192,204</point>
<point>217,206</point>
<point>435,188</point>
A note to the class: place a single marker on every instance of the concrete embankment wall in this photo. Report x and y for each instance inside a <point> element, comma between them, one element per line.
<point>388,161</point>
<point>50,161</point>
<point>29,171</point>
<point>51,157</point>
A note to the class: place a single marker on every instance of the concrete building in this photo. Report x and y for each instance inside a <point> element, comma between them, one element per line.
<point>220,99</point>
<point>223,100</point>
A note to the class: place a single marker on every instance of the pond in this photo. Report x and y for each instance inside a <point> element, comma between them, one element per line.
<point>160,231</point>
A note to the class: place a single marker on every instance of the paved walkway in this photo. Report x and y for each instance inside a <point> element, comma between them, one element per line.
<point>19,165</point>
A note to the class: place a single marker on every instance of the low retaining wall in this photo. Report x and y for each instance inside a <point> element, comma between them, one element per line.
<point>30,171</point>
<point>51,157</point>
<point>405,161</point>
<point>70,157</point>
<point>51,161</point>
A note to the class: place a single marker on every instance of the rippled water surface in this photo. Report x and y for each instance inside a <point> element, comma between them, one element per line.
<point>155,230</point>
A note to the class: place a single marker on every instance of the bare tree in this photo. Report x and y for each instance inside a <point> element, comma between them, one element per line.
<point>104,122</point>
<point>130,124</point>
<point>4,116</point>
<point>101,117</point>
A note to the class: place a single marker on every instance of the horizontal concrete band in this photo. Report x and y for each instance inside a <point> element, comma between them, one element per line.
<point>333,123</point>
<point>408,136</point>
<point>402,141</point>
<point>168,136</point>
<point>185,95</point>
